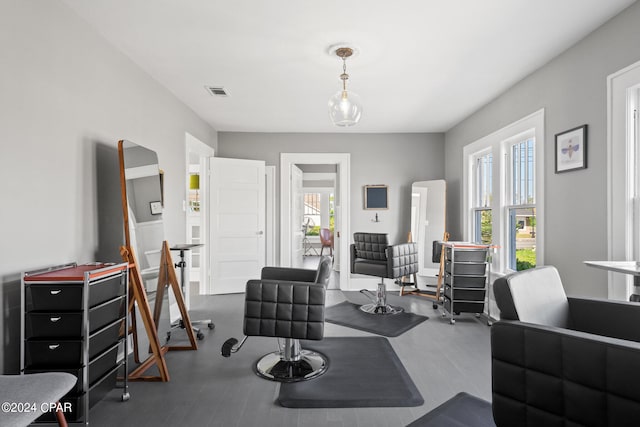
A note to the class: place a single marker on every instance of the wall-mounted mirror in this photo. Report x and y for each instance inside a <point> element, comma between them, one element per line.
<point>428,213</point>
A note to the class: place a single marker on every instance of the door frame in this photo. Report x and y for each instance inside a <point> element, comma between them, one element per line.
<point>343,162</point>
<point>204,152</point>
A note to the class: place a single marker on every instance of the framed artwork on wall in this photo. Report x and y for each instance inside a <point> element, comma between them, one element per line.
<point>376,197</point>
<point>571,149</point>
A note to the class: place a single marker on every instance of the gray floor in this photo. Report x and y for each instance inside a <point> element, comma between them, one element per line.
<point>209,390</point>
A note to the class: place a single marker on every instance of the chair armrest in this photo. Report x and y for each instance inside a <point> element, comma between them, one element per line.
<point>610,318</point>
<point>545,375</point>
<point>288,274</point>
<point>402,260</point>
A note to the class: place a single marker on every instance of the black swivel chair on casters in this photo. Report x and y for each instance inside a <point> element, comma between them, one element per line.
<point>372,255</point>
<point>182,265</point>
<point>286,303</point>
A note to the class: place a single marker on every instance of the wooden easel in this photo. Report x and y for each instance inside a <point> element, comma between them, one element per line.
<point>138,295</point>
<point>167,277</point>
<point>434,296</point>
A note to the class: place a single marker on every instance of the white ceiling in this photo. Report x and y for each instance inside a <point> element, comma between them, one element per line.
<point>423,65</point>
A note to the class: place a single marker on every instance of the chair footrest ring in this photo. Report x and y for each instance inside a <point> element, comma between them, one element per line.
<point>381,309</point>
<point>309,365</point>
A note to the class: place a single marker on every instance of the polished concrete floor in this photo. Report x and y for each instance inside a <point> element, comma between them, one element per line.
<point>208,390</point>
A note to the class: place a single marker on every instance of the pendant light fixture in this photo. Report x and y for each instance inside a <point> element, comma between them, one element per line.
<point>345,108</point>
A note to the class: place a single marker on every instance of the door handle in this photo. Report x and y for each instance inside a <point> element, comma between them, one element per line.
<point>55,292</point>
<point>260,233</point>
<point>54,346</point>
<point>55,319</point>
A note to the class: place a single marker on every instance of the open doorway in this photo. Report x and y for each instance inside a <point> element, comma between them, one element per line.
<point>197,218</point>
<point>328,177</point>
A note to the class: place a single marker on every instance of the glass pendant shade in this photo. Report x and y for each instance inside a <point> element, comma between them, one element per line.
<point>345,108</point>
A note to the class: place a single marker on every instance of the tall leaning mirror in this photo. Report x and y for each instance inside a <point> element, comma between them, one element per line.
<point>143,225</point>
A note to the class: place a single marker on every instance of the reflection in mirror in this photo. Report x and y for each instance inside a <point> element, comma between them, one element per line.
<point>428,213</point>
<point>144,231</point>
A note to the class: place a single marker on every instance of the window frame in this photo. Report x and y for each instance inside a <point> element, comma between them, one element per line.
<point>498,143</point>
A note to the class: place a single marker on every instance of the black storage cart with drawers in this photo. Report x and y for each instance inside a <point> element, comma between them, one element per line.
<point>74,319</point>
<point>466,273</point>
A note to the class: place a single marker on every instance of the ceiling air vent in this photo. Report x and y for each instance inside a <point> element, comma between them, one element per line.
<point>217,91</point>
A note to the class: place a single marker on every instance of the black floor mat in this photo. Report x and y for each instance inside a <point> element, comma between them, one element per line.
<point>363,372</point>
<point>462,410</point>
<point>389,325</point>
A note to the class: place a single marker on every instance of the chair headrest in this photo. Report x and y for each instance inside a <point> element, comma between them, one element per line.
<point>324,271</point>
<point>371,245</point>
<point>535,296</point>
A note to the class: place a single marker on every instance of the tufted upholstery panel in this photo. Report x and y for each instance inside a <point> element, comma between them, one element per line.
<point>371,255</point>
<point>549,376</point>
<point>371,246</point>
<point>319,275</point>
<point>284,309</point>
<point>402,260</point>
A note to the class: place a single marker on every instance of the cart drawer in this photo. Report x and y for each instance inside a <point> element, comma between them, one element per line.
<point>102,364</point>
<point>468,255</point>
<point>463,307</point>
<point>104,291</point>
<point>106,313</point>
<point>54,353</point>
<point>464,281</point>
<point>61,324</point>
<point>464,294</point>
<point>104,339</point>
<point>471,269</point>
<point>57,297</point>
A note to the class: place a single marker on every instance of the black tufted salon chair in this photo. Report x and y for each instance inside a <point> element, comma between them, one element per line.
<point>563,361</point>
<point>372,255</point>
<point>556,360</point>
<point>286,303</point>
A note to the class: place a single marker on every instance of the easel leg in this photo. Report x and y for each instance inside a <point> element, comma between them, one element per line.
<point>140,297</point>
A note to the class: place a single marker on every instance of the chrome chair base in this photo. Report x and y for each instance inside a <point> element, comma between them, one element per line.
<point>309,365</point>
<point>379,302</point>
<point>381,309</point>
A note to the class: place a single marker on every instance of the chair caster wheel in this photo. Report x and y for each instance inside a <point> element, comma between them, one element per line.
<point>227,346</point>
<point>452,321</point>
<point>435,306</point>
<point>125,396</point>
<point>444,314</point>
<point>168,336</point>
<point>200,336</point>
<point>211,326</point>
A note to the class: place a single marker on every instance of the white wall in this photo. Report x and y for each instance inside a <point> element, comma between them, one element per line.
<point>572,90</point>
<point>396,160</point>
<point>66,98</point>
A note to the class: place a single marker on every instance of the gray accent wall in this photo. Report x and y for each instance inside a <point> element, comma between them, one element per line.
<point>396,160</point>
<point>572,89</point>
<point>67,97</point>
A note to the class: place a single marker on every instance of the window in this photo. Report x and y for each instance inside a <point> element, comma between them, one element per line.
<point>318,211</point>
<point>503,204</point>
<point>521,210</point>
<point>483,182</point>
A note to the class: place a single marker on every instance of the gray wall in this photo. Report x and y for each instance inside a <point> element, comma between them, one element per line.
<point>572,90</point>
<point>67,97</point>
<point>396,160</point>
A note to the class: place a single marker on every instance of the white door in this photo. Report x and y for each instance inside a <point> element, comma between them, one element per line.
<point>237,223</point>
<point>297,217</point>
